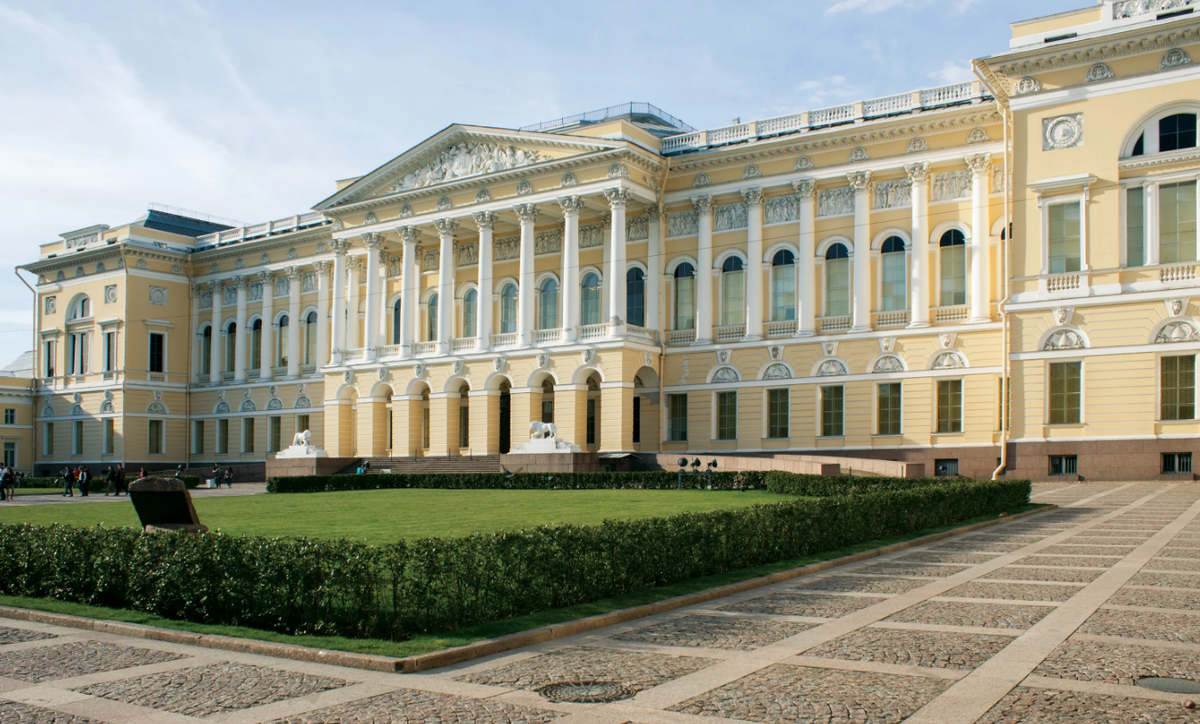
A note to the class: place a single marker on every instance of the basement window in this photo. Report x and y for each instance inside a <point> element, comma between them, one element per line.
<point>1064,464</point>
<point>1177,462</point>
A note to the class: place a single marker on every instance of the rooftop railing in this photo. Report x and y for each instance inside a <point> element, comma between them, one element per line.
<point>265,229</point>
<point>624,109</point>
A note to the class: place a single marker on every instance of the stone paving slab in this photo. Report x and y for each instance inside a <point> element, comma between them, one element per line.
<point>21,635</point>
<point>931,649</point>
<point>785,693</point>
<point>406,706</point>
<point>1182,600</point>
<point>1013,591</point>
<point>862,584</point>
<point>802,604</point>
<point>77,658</point>
<point>1077,561</point>
<point>1078,550</point>
<point>1117,663</point>
<point>631,669</point>
<point>1172,564</point>
<point>981,615</point>
<point>928,556</point>
<point>1047,706</point>
<point>206,690</point>
<point>714,632</point>
<point>1021,573</point>
<point>12,712</point>
<point>895,568</point>
<point>1167,580</point>
<point>1144,625</point>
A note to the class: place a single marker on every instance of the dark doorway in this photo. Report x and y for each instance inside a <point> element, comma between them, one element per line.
<point>505,407</point>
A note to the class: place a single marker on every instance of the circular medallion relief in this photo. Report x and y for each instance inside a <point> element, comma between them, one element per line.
<point>1064,132</point>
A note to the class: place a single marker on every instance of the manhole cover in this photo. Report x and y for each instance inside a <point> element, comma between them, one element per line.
<point>586,692</point>
<point>1173,686</point>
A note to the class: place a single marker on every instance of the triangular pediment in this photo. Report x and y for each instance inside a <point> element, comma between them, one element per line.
<point>460,153</point>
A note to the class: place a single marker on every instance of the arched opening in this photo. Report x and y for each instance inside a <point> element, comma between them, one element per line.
<point>547,414</point>
<point>685,296</point>
<point>396,316</point>
<point>230,346</point>
<point>505,417</point>
<point>893,269</point>
<point>425,436</point>
<point>635,297</point>
<point>953,255</point>
<point>81,308</point>
<point>464,415</point>
<point>592,440</point>
<point>281,354</point>
<point>206,340</point>
<point>644,420</point>
<point>256,345</point>
<point>431,319</point>
<point>470,313</point>
<point>837,281</point>
<point>548,304</point>
<point>590,308</point>
<point>733,292</point>
<point>310,339</point>
<point>783,286</point>
<point>508,309</point>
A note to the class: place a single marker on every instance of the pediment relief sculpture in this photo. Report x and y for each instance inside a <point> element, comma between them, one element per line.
<point>466,159</point>
<point>1177,332</point>
<point>1064,339</point>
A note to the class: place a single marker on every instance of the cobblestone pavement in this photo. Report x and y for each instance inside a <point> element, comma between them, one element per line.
<point>238,490</point>
<point>1053,618</point>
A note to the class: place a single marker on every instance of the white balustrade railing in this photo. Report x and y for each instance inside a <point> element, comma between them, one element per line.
<point>257,230</point>
<point>956,313</point>
<point>681,337</point>
<point>641,334</point>
<point>352,355</point>
<point>830,116</point>
<point>277,226</point>
<point>730,332</point>
<point>541,336</point>
<point>835,324</point>
<point>888,106</point>
<point>948,94</point>
<point>730,134</point>
<point>423,348</point>
<point>1178,272</point>
<point>388,351</point>
<point>507,339</point>
<point>593,331</point>
<point>1062,282</point>
<point>463,344</point>
<point>684,142</point>
<point>897,318</point>
<point>781,329</point>
<point>783,124</point>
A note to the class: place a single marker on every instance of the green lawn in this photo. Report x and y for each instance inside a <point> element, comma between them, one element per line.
<point>388,515</point>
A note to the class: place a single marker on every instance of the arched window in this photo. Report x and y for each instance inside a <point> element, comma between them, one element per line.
<point>206,351</point>
<point>281,354</point>
<point>1176,132</point>
<point>396,316</point>
<point>953,251</point>
<point>894,273</point>
<point>783,286</point>
<point>685,296</point>
<point>591,299</point>
<point>81,309</point>
<point>837,281</point>
<point>635,297</point>
<point>256,345</point>
<point>310,339</point>
<point>508,309</point>
<point>470,312</point>
<point>431,319</point>
<point>548,305</point>
<point>733,292</point>
<point>230,346</point>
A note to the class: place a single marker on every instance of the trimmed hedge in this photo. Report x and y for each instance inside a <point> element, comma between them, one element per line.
<point>645,480</point>
<point>30,482</point>
<point>785,483</point>
<point>348,588</point>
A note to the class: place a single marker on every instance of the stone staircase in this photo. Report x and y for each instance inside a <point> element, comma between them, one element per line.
<point>442,465</point>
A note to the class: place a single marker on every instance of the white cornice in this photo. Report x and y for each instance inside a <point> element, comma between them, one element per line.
<point>1076,93</point>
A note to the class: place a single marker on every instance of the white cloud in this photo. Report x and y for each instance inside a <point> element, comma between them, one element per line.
<point>953,72</point>
<point>878,6</point>
<point>825,92</point>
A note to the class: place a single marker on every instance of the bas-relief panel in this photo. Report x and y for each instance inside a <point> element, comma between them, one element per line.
<point>951,185</point>
<point>547,242</point>
<point>467,159</point>
<point>893,194</point>
<point>781,209</point>
<point>468,253</point>
<point>637,228</point>
<point>395,265</point>
<point>507,248</point>
<point>729,216</point>
<point>282,286</point>
<point>430,259</point>
<point>683,223</point>
<point>308,282</point>
<point>230,296</point>
<point>835,201</point>
<point>591,235</point>
<point>254,291</point>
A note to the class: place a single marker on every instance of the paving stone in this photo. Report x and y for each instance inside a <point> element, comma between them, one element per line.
<point>1070,575</point>
<point>1183,551</point>
<point>21,635</point>
<point>948,557</point>
<point>1180,600</point>
<point>783,693</point>
<point>1013,591</point>
<point>1172,564</point>
<point>716,632</point>
<point>985,615</point>
<point>863,584</point>
<point>1046,706</point>
<point>1069,550</point>
<point>423,707</point>
<point>1117,663</point>
<point>1106,540</point>
<point>1144,625</point>
<point>205,690</point>
<point>1083,561</point>
<point>632,669</point>
<point>896,568</point>
<point>788,603</point>
<point>76,659</point>
<point>12,712</point>
<point>1168,580</point>
<point>913,648</point>
<point>967,545</point>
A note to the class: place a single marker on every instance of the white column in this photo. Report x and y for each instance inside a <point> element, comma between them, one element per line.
<point>1149,223</point>
<point>295,279</point>
<point>214,359</point>
<point>754,263</point>
<point>198,344</point>
<point>446,263</point>
<point>381,333</point>
<point>486,221</point>
<point>653,270</point>
<point>806,262</point>
<point>374,244</point>
<point>408,290</point>
<point>267,348</point>
<point>337,324</point>
<point>617,200</point>
<point>527,213</point>
<point>704,275</point>
<point>918,284</point>
<point>981,233</point>
<point>240,339</point>
<point>354,267</point>
<point>570,292</point>
<point>324,313</point>
<point>860,181</point>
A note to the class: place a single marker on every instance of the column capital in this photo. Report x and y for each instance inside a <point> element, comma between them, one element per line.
<point>979,163</point>
<point>266,276</point>
<point>323,267</point>
<point>805,188</point>
<point>753,197</point>
<point>653,212</point>
<point>196,289</point>
<point>373,240</point>
<point>571,205</point>
<point>352,262</point>
<point>703,204</point>
<point>484,219</point>
<point>339,246</point>
<point>216,285</point>
<point>860,180</point>
<point>446,227</point>
<point>526,212</point>
<point>617,197</point>
<point>408,234</point>
<point>918,173</point>
<point>293,273</point>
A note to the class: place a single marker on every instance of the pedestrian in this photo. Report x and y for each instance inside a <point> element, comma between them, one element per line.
<point>366,466</point>
<point>110,481</point>
<point>228,477</point>
<point>68,482</point>
<point>216,473</point>
<point>121,480</point>
<point>85,480</point>
<point>142,475</point>
<point>8,485</point>
<point>179,470</point>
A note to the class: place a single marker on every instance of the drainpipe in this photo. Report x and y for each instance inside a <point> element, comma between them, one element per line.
<point>33,382</point>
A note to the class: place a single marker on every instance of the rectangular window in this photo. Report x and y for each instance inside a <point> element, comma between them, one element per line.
<point>1177,131</point>
<point>685,302</point>
<point>425,428</point>
<point>1177,222</point>
<point>945,468</point>
<point>273,433</point>
<point>198,437</point>
<point>223,437</point>
<point>77,437</point>
<point>248,435</point>
<point>1065,393</point>
<point>157,352</point>
<point>726,415</point>
<point>677,418</point>
<point>547,410</point>
<point>110,352</point>
<point>1064,235</point>
<point>888,395</point>
<point>464,426</point>
<point>302,423</point>
<point>77,353</point>
<point>1177,462</point>
<point>833,411</point>
<point>733,298</point>
<point>49,352</point>
<point>110,434</point>
<point>10,454</point>
<point>837,292</point>
<point>1064,465</point>
<point>894,281</point>
<point>949,406</point>
<point>954,274</point>
<point>591,422</point>
<point>154,437</point>
<point>48,438</point>
<point>1135,226</point>
<point>1178,388</point>
<point>777,413</point>
<point>637,419</point>
<point>10,416</point>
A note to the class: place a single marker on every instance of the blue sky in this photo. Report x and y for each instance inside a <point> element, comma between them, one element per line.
<point>250,110</point>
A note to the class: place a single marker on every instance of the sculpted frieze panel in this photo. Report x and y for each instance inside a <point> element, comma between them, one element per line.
<point>637,228</point>
<point>781,209</point>
<point>591,235</point>
<point>468,253</point>
<point>467,159</point>
<point>951,185</point>
<point>308,282</point>
<point>835,201</point>
<point>547,242</point>
<point>683,223</point>
<point>507,248</point>
<point>893,194</point>
<point>430,259</point>
<point>729,216</point>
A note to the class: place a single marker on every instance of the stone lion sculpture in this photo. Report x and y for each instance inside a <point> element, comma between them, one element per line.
<point>542,430</point>
<point>302,439</point>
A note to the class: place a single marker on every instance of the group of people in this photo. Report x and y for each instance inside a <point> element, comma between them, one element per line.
<point>8,482</point>
<point>217,475</point>
<point>114,480</point>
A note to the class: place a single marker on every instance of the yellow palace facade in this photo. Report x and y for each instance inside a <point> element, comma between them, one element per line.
<point>869,280</point>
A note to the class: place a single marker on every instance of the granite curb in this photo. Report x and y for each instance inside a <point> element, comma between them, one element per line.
<point>459,654</point>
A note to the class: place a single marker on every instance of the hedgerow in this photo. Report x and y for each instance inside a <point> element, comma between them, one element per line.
<point>645,480</point>
<point>350,588</point>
